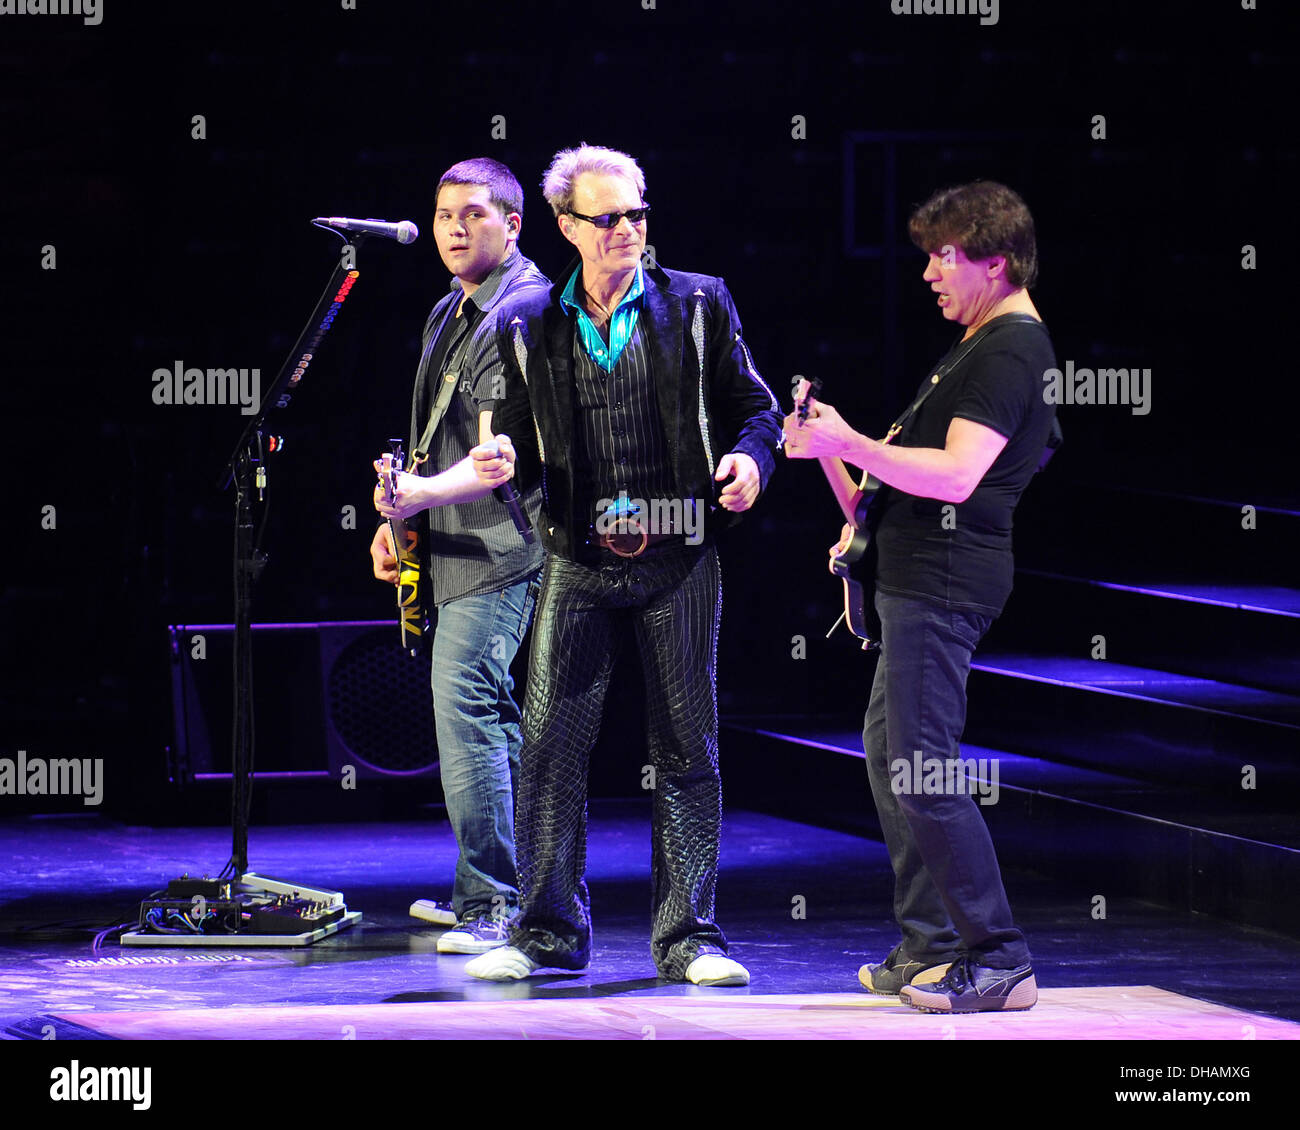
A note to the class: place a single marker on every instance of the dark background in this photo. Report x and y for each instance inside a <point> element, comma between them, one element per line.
<point>170,248</point>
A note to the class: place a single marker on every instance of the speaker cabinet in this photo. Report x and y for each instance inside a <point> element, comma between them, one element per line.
<point>326,696</point>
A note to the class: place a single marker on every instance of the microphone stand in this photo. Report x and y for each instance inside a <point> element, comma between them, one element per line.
<point>307,914</point>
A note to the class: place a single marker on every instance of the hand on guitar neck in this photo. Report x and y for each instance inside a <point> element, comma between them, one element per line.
<point>392,550</point>
<point>381,553</point>
<point>803,441</point>
<point>381,545</point>
<point>850,557</point>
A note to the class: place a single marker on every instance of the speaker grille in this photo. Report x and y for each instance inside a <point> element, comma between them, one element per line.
<point>380,705</point>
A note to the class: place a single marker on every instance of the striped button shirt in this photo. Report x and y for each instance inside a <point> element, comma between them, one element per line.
<point>471,547</point>
<point>618,432</point>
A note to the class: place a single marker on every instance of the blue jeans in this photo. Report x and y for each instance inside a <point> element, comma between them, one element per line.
<point>477,723</point>
<point>948,893</point>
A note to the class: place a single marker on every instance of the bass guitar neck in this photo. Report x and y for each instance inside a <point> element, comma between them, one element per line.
<point>410,605</point>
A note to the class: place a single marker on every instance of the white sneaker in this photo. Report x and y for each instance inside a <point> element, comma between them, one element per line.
<point>504,964</point>
<point>715,969</point>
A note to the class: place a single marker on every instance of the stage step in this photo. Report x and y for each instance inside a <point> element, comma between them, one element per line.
<point>1141,694</point>
<point>1149,724</point>
<point>1108,832</point>
<point>1246,634</point>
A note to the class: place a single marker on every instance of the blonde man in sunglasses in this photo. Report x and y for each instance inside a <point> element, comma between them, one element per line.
<point>632,397</point>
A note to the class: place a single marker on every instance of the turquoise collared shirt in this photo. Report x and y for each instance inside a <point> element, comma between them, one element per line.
<point>621,324</point>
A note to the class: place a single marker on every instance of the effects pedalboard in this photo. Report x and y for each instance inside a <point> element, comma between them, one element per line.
<point>250,911</point>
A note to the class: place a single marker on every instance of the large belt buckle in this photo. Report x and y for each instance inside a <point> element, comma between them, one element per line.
<point>616,540</point>
<point>623,533</point>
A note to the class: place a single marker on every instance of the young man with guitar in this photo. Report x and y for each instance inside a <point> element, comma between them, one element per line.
<point>953,468</point>
<point>483,572</point>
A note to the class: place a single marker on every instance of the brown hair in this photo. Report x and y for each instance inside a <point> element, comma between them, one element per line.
<point>503,188</point>
<point>984,219</point>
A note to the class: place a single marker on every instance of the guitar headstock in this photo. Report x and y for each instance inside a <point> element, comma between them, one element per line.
<point>805,395</point>
<point>392,461</point>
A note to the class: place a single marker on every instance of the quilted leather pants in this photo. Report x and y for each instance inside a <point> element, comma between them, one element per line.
<point>671,598</point>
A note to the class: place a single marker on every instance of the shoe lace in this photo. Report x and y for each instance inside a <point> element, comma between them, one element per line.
<point>961,975</point>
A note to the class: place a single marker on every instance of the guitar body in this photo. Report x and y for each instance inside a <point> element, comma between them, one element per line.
<point>411,616</point>
<point>856,567</point>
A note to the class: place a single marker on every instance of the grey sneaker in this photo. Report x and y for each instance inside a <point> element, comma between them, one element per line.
<point>970,987</point>
<point>888,977</point>
<point>475,935</point>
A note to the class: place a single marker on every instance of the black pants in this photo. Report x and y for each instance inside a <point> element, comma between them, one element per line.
<point>948,893</point>
<point>671,599</point>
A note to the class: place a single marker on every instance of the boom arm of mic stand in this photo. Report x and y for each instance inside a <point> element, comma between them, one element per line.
<point>301,355</point>
<point>240,469</point>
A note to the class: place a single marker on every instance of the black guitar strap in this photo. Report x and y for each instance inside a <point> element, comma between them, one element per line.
<point>957,357</point>
<point>437,352</point>
<point>440,405</point>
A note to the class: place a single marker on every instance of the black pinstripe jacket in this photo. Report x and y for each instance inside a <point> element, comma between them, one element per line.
<point>711,398</point>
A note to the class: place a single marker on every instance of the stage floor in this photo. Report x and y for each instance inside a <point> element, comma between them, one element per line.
<point>803,907</point>
<point>1129,1013</point>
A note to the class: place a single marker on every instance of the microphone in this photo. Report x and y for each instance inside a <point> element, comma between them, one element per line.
<point>404,231</point>
<point>509,497</point>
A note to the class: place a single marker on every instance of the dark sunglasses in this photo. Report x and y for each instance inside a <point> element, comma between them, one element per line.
<point>611,219</point>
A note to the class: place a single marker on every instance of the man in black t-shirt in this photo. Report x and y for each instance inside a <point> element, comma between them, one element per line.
<point>952,474</point>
